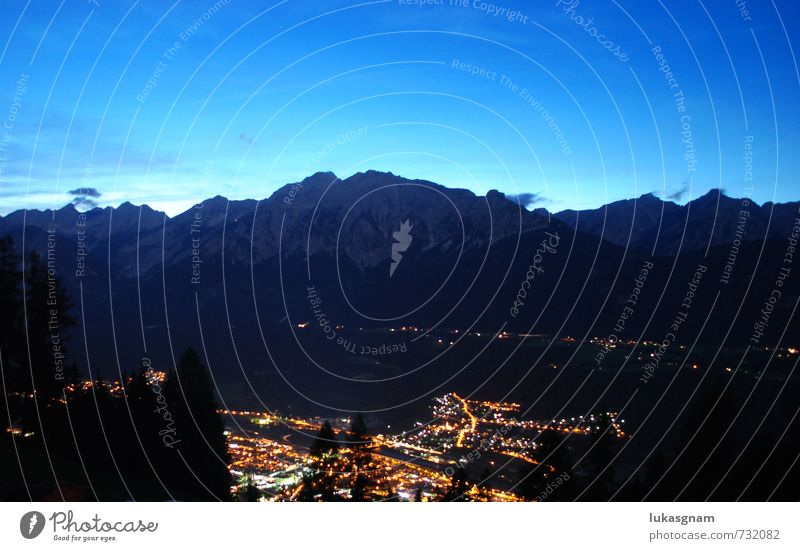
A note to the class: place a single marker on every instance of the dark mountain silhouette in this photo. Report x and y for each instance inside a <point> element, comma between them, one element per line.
<point>232,279</point>
<point>651,226</point>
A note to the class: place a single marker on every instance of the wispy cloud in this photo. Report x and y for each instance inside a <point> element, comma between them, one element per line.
<point>528,199</point>
<point>678,194</point>
<point>84,197</point>
<point>87,191</point>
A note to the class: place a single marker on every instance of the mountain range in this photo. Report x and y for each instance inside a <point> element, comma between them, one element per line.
<point>260,286</point>
<point>652,226</point>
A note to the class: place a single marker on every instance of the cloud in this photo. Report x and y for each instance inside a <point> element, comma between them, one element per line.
<point>527,199</point>
<point>678,194</point>
<point>85,192</point>
<point>84,197</point>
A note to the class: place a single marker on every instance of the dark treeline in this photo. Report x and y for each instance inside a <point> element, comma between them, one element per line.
<point>147,437</point>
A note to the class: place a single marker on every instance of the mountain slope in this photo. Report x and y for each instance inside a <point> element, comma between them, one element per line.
<point>283,295</point>
<point>652,226</point>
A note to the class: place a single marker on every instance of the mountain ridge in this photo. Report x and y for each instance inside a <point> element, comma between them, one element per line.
<point>332,178</point>
<point>229,277</point>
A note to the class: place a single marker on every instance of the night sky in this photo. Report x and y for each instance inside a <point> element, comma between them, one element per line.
<point>574,103</point>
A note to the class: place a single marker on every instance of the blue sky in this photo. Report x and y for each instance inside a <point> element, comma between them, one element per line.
<point>168,103</point>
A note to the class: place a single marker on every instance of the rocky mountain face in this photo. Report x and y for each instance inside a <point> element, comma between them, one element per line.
<point>282,295</point>
<point>651,226</point>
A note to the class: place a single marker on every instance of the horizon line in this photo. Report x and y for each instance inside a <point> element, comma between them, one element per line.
<point>511,197</point>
